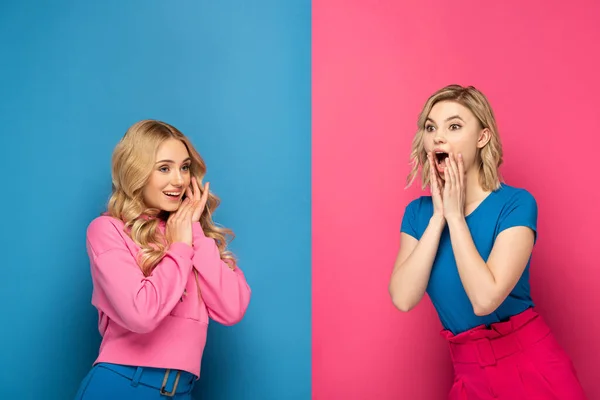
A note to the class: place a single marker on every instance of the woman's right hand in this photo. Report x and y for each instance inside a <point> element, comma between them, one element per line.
<point>179,224</point>
<point>435,184</point>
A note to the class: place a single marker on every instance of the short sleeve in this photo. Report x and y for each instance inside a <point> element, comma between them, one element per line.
<point>521,210</point>
<point>409,220</point>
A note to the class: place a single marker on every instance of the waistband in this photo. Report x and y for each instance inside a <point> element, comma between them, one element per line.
<point>168,381</point>
<point>485,346</point>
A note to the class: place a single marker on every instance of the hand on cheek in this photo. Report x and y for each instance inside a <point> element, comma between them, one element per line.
<point>198,198</point>
<point>454,188</point>
<point>436,187</point>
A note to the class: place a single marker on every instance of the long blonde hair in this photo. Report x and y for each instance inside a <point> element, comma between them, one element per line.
<point>489,157</point>
<point>132,163</point>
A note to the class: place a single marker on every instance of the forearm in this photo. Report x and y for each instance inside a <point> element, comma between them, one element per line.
<point>224,291</point>
<point>410,278</point>
<point>477,279</point>
<point>136,302</point>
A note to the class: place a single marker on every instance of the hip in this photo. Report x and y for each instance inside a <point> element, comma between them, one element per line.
<point>116,381</point>
<point>515,359</point>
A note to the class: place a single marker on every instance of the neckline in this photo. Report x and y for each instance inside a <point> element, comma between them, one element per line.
<point>485,199</point>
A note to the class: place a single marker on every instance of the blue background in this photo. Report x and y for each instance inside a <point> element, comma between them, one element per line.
<point>235,78</point>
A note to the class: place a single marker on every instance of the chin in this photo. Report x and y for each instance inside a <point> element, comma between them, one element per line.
<point>170,207</point>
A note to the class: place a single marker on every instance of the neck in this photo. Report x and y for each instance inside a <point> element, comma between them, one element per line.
<point>473,191</point>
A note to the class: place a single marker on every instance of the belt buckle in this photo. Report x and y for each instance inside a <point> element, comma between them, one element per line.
<point>485,352</point>
<point>164,384</point>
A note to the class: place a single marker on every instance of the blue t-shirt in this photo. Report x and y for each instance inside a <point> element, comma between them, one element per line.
<point>501,209</point>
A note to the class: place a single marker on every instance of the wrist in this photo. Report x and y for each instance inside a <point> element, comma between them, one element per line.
<point>182,246</point>
<point>197,230</point>
<point>437,220</point>
<point>455,219</point>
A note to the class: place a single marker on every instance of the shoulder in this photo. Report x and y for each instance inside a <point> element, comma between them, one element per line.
<point>516,196</point>
<point>420,206</point>
<point>419,203</point>
<point>104,232</point>
<point>104,224</point>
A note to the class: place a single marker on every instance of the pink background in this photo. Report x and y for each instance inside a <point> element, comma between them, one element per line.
<point>374,65</point>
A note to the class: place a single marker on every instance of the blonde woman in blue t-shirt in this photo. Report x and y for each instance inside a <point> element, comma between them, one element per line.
<point>469,245</point>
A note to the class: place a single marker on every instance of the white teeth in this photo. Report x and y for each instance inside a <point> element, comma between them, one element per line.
<point>172,193</point>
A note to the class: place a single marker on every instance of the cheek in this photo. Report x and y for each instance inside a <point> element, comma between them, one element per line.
<point>187,181</point>
<point>470,159</point>
<point>467,148</point>
<point>149,196</point>
<point>428,142</point>
<point>154,187</point>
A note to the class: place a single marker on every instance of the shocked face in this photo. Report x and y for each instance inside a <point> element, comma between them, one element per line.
<point>170,177</point>
<point>452,128</point>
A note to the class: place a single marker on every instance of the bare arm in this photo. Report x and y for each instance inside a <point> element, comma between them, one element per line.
<point>413,265</point>
<point>488,284</point>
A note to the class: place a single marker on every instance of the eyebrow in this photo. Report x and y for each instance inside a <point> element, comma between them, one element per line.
<point>448,119</point>
<point>171,161</point>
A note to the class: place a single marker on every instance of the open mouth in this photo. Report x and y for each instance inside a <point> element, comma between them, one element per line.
<point>173,195</point>
<point>440,162</point>
<point>440,158</point>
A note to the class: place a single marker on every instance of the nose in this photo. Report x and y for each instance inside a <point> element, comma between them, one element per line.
<point>438,137</point>
<point>177,179</point>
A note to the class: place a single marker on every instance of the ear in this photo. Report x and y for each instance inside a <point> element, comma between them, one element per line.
<point>484,137</point>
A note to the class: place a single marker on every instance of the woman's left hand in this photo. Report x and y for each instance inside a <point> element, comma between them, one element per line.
<point>454,188</point>
<point>199,200</point>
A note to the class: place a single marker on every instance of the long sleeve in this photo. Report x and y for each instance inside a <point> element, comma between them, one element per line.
<point>135,302</point>
<point>224,291</point>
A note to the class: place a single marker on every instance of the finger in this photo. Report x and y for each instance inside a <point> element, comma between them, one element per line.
<point>185,210</point>
<point>447,182</point>
<point>197,195</point>
<point>433,183</point>
<point>431,177</point>
<point>448,174</point>
<point>193,207</point>
<point>454,162</point>
<point>454,169</point>
<point>187,214</point>
<point>189,193</point>
<point>461,170</point>
<point>185,205</point>
<point>451,169</point>
<point>204,198</point>
<point>434,178</point>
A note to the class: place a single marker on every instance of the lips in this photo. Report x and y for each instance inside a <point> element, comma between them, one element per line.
<point>173,195</point>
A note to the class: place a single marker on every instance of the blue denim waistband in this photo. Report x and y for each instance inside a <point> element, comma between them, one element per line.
<point>167,381</point>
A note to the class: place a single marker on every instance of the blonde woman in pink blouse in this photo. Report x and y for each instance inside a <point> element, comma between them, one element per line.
<point>160,269</point>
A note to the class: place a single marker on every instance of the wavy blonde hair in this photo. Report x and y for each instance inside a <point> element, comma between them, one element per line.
<point>132,164</point>
<point>489,157</point>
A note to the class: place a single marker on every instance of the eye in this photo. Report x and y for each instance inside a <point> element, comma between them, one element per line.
<point>429,128</point>
<point>185,168</point>
<point>454,127</point>
<point>164,169</point>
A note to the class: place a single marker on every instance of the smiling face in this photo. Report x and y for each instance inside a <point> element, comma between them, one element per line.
<point>170,177</point>
<point>452,128</point>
